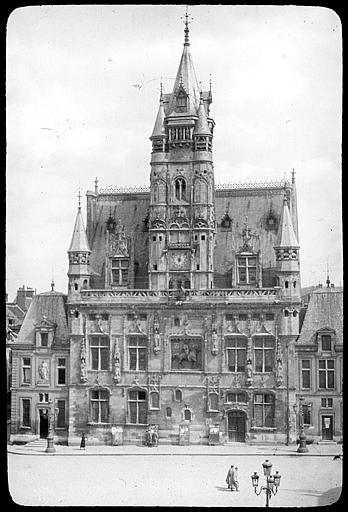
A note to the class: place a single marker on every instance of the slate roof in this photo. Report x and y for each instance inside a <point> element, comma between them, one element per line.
<point>131,210</point>
<point>52,306</point>
<point>325,310</point>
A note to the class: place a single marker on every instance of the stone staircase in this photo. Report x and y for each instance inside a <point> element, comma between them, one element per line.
<point>38,445</point>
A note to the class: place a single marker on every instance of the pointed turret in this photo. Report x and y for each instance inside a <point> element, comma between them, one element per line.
<point>202,126</point>
<point>286,235</point>
<point>185,96</point>
<point>158,136</point>
<point>79,251</point>
<point>79,242</point>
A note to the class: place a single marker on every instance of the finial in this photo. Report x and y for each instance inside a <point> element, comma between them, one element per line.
<point>79,197</point>
<point>52,285</point>
<point>210,82</point>
<point>161,89</point>
<point>327,273</point>
<point>187,22</point>
<point>293,175</point>
<point>96,185</point>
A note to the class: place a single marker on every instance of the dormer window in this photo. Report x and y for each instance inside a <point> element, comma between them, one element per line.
<point>44,339</point>
<point>326,342</point>
<point>246,270</point>
<point>181,101</point>
<point>119,271</point>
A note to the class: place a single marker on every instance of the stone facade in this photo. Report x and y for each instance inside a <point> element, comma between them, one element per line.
<point>183,300</point>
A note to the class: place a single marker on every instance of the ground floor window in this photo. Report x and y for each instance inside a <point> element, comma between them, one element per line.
<point>99,406</point>
<point>61,414</point>
<point>137,407</point>
<point>213,402</point>
<point>26,416</point>
<point>264,410</point>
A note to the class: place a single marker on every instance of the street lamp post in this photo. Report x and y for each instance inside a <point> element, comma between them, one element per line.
<point>51,412</point>
<point>272,482</point>
<point>302,448</point>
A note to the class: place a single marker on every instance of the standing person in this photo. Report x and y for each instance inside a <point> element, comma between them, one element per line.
<point>236,478</point>
<point>229,478</point>
<point>83,441</point>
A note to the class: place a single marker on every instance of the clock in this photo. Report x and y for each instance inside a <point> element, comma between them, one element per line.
<point>179,260</point>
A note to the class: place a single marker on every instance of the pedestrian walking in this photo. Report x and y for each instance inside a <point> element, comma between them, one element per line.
<point>230,478</point>
<point>236,478</point>
<point>83,441</point>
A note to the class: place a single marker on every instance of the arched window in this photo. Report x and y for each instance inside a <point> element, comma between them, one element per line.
<point>187,415</point>
<point>178,395</point>
<point>85,283</point>
<point>168,412</point>
<point>76,286</point>
<point>180,189</point>
<point>286,284</point>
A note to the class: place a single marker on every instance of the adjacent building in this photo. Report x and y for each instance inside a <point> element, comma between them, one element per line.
<point>319,355</point>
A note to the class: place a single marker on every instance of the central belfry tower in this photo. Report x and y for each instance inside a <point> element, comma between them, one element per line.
<point>182,219</point>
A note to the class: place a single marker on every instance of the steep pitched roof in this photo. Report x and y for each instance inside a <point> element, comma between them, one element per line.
<point>325,310</point>
<point>79,242</point>
<point>286,234</point>
<point>202,127</point>
<point>186,78</point>
<point>159,130</point>
<point>50,305</point>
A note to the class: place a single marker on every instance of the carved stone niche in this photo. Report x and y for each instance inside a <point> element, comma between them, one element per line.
<point>116,363</point>
<point>83,364</point>
<point>214,342</point>
<point>156,336</point>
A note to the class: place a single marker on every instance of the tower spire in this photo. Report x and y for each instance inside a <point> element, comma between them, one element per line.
<point>187,22</point>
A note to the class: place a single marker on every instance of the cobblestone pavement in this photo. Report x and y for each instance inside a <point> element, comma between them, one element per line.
<point>164,480</point>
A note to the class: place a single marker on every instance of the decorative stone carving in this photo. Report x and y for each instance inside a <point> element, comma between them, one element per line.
<point>117,363</point>
<point>153,383</point>
<point>249,366</point>
<point>279,369</point>
<point>83,365</point>
<point>214,342</point>
<point>118,242</point>
<point>156,336</point>
<point>43,370</point>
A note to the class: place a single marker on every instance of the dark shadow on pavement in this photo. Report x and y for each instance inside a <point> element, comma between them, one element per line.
<point>329,497</point>
<point>222,488</point>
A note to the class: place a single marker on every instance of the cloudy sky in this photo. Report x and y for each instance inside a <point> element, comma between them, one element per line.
<point>74,114</point>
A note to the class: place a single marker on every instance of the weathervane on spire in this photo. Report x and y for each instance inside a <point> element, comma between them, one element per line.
<point>79,197</point>
<point>187,22</point>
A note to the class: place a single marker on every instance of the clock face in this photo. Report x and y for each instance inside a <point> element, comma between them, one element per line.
<point>179,260</point>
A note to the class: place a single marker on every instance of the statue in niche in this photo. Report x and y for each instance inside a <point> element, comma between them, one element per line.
<point>117,366</point>
<point>83,370</point>
<point>249,371</point>
<point>214,342</point>
<point>279,372</point>
<point>83,365</point>
<point>43,370</point>
<point>156,340</point>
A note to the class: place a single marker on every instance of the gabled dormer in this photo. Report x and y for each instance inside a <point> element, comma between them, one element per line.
<point>44,333</point>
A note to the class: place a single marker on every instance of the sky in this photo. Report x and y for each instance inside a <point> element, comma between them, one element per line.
<point>82,93</point>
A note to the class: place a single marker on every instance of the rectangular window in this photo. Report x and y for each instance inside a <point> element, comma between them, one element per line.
<point>264,353</point>
<point>326,342</point>
<point>61,413</point>
<point>43,397</point>
<point>327,402</point>
<point>100,352</point>
<point>236,397</point>
<point>99,406</point>
<point>246,270</point>
<point>44,339</point>
<point>26,370</point>
<point>61,367</point>
<point>306,373</point>
<point>137,351</point>
<point>137,407</point>
<point>236,353</point>
<point>269,316</point>
<point>306,414</point>
<point>326,374</point>
<point>119,271</point>
<point>26,419</point>
<point>263,410</point>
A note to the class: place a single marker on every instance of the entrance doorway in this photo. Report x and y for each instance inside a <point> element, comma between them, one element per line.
<point>236,426</point>
<point>43,424</point>
<point>327,428</point>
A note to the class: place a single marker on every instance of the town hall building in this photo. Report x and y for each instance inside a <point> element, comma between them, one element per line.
<point>183,301</point>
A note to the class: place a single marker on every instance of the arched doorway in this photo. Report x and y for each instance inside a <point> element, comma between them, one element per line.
<point>236,426</point>
<point>43,424</point>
